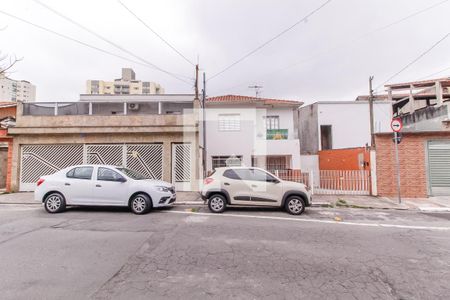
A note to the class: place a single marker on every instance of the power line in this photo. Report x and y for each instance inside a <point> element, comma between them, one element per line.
<point>157,34</point>
<point>88,45</point>
<point>270,40</point>
<point>435,73</point>
<point>349,42</point>
<point>415,60</point>
<point>103,38</point>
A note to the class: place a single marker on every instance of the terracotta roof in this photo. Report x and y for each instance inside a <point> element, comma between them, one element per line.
<point>248,99</point>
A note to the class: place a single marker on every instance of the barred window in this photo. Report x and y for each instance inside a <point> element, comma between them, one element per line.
<point>226,161</point>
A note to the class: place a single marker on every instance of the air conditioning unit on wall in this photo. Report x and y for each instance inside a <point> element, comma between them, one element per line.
<point>133,106</point>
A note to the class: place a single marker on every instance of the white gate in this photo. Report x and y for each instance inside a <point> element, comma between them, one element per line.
<point>40,160</point>
<point>181,166</point>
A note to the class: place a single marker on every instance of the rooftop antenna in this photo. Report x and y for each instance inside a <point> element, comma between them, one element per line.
<point>257,89</point>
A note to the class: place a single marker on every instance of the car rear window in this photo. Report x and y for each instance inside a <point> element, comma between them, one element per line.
<point>80,173</point>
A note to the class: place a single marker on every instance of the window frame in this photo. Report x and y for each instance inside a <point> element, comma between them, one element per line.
<point>73,171</point>
<point>120,179</point>
<point>229,125</point>
<point>272,120</point>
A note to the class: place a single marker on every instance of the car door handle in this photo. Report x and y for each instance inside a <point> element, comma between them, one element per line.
<point>66,183</point>
<point>254,185</point>
<point>98,185</point>
<point>226,183</point>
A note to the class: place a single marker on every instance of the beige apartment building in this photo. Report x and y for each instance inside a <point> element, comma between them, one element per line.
<point>126,85</point>
<point>16,90</point>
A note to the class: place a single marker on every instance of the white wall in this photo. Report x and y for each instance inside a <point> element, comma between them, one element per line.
<point>251,139</point>
<point>350,121</point>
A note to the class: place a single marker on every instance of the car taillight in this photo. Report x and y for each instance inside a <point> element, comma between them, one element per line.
<point>40,181</point>
<point>208,180</point>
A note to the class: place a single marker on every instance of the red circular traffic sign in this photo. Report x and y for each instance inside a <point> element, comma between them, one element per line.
<point>396,125</point>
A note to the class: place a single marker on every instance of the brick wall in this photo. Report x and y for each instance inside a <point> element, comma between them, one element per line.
<point>412,157</point>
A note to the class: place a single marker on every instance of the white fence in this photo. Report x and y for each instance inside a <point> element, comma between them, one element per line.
<point>331,182</point>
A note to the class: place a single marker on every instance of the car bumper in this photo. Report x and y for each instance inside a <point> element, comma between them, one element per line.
<point>165,199</point>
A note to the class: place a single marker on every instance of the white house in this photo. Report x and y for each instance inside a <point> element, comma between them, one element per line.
<point>253,132</point>
<point>329,125</point>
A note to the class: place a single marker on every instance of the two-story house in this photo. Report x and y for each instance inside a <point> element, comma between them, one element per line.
<point>242,130</point>
<point>156,135</point>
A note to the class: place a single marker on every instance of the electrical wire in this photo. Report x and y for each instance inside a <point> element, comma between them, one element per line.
<point>346,43</point>
<point>154,32</point>
<point>89,45</point>
<point>414,60</point>
<point>103,38</point>
<point>270,40</point>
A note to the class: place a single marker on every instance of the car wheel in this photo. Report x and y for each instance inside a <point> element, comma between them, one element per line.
<point>140,204</point>
<point>217,203</point>
<point>295,205</point>
<point>54,203</point>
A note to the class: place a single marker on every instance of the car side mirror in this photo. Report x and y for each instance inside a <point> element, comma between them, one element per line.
<point>273,180</point>
<point>122,179</point>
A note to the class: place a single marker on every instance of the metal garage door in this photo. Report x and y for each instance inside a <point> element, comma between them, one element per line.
<point>40,160</point>
<point>439,167</point>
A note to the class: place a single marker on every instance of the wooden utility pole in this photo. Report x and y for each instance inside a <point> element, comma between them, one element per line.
<point>372,134</point>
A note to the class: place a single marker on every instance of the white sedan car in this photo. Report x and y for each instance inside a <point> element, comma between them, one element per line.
<point>101,185</point>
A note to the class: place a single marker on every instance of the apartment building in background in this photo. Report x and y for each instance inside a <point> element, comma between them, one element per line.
<point>16,90</point>
<point>251,131</point>
<point>126,85</point>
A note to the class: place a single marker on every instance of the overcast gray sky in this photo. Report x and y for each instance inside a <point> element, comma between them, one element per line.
<point>317,60</point>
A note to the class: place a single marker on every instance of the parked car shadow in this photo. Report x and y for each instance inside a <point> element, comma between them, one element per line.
<point>115,209</point>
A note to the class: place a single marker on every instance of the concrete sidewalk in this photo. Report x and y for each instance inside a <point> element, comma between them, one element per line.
<point>354,201</point>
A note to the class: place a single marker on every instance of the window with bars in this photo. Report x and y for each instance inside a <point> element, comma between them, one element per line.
<point>272,122</point>
<point>226,161</point>
<point>229,122</point>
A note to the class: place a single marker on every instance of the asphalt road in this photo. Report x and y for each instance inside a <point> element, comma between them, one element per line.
<point>107,253</point>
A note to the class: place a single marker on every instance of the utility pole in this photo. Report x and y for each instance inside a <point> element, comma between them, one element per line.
<point>196,81</point>
<point>204,125</point>
<point>372,134</point>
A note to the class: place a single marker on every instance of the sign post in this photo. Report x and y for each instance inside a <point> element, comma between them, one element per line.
<point>396,125</point>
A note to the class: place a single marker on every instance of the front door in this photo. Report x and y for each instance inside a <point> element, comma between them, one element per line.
<point>181,166</point>
<point>109,188</point>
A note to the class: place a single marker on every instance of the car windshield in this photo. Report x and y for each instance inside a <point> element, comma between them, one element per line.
<point>132,174</point>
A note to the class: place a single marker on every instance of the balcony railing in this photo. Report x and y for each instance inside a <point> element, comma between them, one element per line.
<point>105,108</point>
<point>277,134</point>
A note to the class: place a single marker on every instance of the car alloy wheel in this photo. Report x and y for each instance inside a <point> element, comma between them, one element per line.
<point>54,203</point>
<point>217,203</point>
<point>140,204</point>
<point>295,205</point>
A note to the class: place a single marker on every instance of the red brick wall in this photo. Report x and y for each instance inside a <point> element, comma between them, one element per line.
<point>343,159</point>
<point>412,157</point>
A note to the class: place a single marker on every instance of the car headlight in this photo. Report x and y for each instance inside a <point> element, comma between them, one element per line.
<point>162,189</point>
